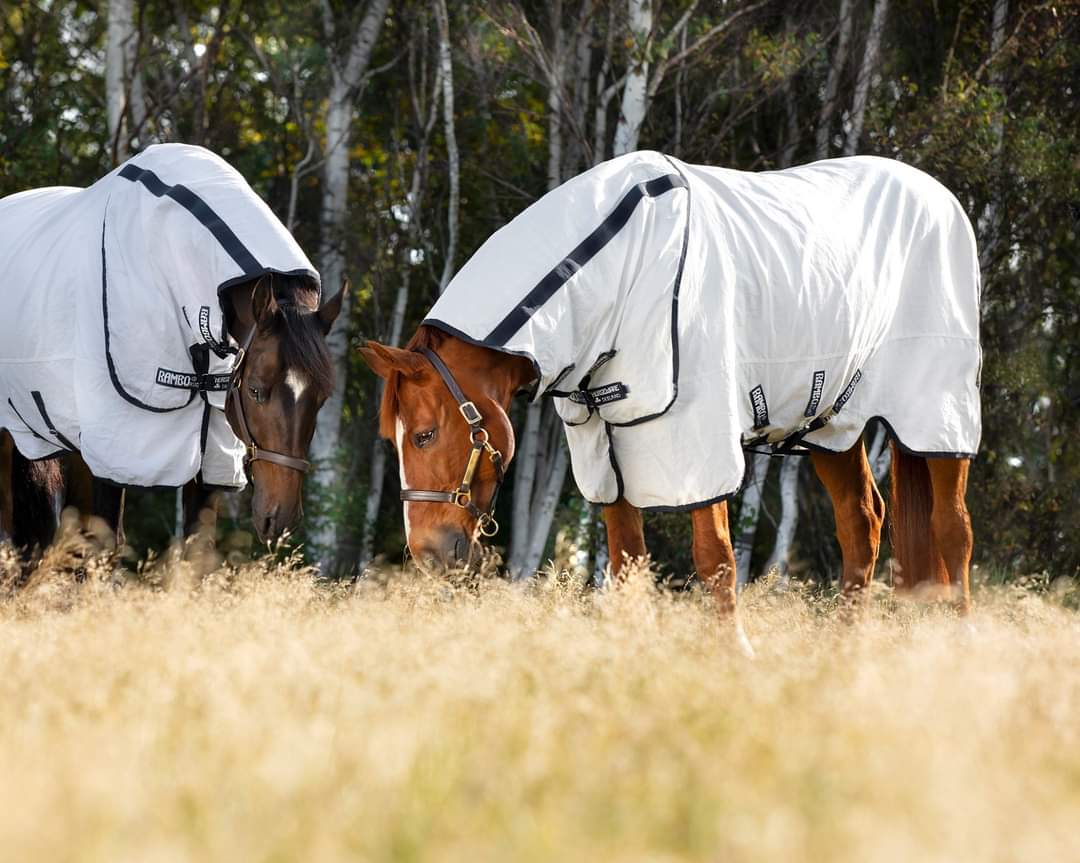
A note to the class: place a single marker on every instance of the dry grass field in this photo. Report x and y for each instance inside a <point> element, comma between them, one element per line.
<point>254,715</point>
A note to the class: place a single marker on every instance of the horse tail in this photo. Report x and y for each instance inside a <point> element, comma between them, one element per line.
<point>37,491</point>
<point>910,531</point>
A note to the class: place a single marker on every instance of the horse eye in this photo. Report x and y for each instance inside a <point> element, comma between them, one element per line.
<point>422,439</point>
<point>256,394</point>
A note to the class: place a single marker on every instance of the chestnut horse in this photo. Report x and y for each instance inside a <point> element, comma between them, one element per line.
<point>283,376</point>
<point>445,406</point>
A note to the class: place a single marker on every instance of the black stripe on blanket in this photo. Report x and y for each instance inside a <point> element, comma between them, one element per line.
<point>548,286</point>
<point>201,211</point>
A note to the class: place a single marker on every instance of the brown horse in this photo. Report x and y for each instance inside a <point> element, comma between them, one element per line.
<point>281,379</point>
<point>454,446</point>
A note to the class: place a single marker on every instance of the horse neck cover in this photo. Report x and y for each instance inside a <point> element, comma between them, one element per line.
<point>677,312</point>
<point>113,340</point>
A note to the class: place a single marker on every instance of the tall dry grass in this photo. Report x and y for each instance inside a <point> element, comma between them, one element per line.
<point>251,714</point>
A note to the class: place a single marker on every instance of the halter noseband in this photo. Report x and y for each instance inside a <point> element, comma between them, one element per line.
<point>481,443</point>
<point>252,452</point>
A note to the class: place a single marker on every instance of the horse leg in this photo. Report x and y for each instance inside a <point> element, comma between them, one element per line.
<point>714,559</point>
<point>859,512</point>
<point>7,504</point>
<point>200,509</point>
<point>108,504</point>
<point>714,556</point>
<point>36,493</point>
<point>625,535</point>
<point>951,524</point>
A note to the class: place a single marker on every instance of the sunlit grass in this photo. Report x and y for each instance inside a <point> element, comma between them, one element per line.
<point>254,714</point>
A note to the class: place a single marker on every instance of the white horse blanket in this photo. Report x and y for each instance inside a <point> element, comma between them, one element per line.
<point>113,340</point>
<point>679,313</point>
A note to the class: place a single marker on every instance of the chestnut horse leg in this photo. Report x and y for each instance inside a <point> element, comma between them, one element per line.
<point>859,511</point>
<point>714,559</point>
<point>951,524</point>
<point>625,535</point>
<point>7,503</point>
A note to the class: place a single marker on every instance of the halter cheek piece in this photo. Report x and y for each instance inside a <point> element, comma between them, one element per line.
<point>462,495</point>
<point>252,452</point>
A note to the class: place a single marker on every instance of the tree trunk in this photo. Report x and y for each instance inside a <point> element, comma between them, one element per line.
<point>745,528</point>
<point>524,480</point>
<point>452,157</point>
<point>990,221</point>
<point>635,91</point>
<point>832,83</point>
<point>120,44</point>
<point>871,53</point>
<point>345,81</point>
<point>789,518</point>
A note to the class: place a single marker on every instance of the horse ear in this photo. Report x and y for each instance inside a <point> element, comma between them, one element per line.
<point>332,307</point>
<point>384,359</point>
<point>262,301</point>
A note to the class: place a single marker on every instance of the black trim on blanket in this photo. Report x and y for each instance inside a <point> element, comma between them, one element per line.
<point>895,437</point>
<point>200,210</point>
<point>40,402</point>
<point>548,286</point>
<point>674,310</point>
<point>465,337</point>
<point>124,394</point>
<point>30,428</point>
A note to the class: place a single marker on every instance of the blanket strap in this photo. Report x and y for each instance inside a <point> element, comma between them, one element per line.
<point>213,383</point>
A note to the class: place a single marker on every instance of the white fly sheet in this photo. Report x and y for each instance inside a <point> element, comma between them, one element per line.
<point>113,340</point>
<point>678,313</point>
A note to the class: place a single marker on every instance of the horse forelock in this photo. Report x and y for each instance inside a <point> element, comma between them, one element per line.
<point>303,342</point>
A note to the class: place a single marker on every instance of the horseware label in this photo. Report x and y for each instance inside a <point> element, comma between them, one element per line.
<point>761,407</point>
<point>601,395</point>
<point>193,381</point>
<point>208,336</point>
<point>815,394</point>
<point>846,394</point>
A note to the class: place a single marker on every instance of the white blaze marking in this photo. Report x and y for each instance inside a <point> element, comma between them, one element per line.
<point>296,384</point>
<point>399,434</point>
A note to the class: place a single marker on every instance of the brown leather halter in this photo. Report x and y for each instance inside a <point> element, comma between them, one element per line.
<point>253,452</point>
<point>481,443</point>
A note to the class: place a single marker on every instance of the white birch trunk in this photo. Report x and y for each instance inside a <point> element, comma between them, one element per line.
<point>749,515</point>
<point>789,518</point>
<point>871,53</point>
<point>635,91</point>
<point>346,79</point>
<point>544,510</point>
<point>453,158</point>
<point>832,83</point>
<point>990,219</point>
<point>524,480</point>
<point>527,522</point>
<point>119,57</point>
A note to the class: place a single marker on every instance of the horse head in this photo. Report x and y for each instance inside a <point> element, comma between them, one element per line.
<point>281,379</point>
<point>445,406</point>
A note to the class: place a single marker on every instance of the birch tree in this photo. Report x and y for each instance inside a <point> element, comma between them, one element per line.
<point>832,82</point>
<point>870,58</point>
<point>425,110</point>
<point>125,105</point>
<point>346,77</point>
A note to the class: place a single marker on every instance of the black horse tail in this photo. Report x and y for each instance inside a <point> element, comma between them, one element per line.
<point>910,531</point>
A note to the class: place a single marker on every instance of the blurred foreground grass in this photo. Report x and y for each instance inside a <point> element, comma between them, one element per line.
<point>252,714</point>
